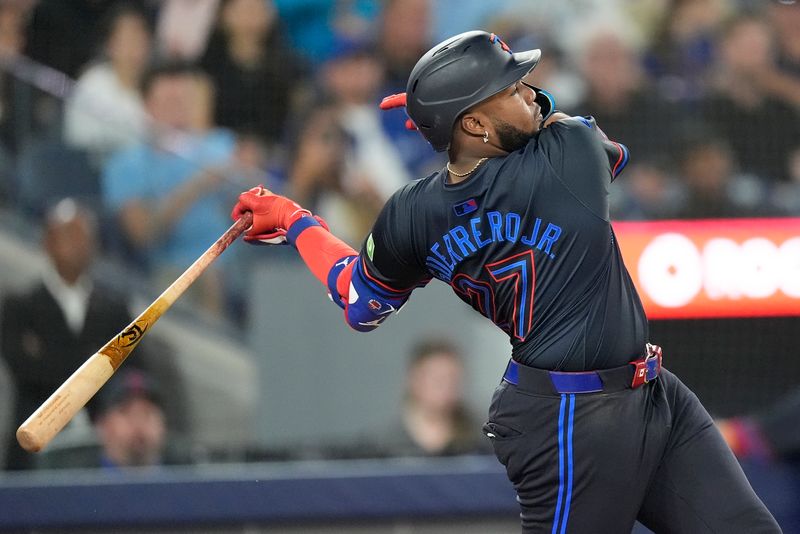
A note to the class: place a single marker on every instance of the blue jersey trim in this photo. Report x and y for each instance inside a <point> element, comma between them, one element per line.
<point>625,157</point>
<point>557,515</point>
<point>564,494</point>
<point>568,500</point>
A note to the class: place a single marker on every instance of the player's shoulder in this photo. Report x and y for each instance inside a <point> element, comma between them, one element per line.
<point>418,191</point>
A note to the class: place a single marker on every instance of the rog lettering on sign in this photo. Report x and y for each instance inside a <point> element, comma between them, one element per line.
<point>132,335</point>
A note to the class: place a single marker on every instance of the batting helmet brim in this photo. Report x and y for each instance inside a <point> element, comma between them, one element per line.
<point>524,62</point>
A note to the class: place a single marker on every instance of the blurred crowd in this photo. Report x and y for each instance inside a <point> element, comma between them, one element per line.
<point>152,115</point>
<point>157,113</point>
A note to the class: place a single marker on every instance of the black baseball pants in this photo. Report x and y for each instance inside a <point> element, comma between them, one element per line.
<point>594,463</point>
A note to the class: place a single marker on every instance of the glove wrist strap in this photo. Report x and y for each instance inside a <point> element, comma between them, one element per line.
<point>299,226</point>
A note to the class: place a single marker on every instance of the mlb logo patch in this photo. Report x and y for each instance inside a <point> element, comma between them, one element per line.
<point>374,305</point>
<point>466,207</point>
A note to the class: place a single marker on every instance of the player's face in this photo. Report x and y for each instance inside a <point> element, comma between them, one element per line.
<point>515,116</point>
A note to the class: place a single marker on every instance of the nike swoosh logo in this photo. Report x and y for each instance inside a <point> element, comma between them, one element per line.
<point>390,310</point>
<point>376,322</point>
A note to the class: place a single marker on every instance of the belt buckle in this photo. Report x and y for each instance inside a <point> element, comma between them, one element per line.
<point>647,370</point>
<point>651,365</point>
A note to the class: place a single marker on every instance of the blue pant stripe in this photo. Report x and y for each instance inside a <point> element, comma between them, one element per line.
<point>569,464</point>
<point>560,463</point>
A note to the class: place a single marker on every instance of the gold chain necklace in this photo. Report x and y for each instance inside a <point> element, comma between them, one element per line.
<point>461,175</point>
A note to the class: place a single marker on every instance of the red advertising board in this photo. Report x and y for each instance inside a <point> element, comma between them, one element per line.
<point>714,268</point>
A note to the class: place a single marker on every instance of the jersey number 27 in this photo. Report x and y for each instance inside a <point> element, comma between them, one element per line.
<point>514,312</point>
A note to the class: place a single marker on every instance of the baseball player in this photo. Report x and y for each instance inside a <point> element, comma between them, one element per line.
<point>593,432</point>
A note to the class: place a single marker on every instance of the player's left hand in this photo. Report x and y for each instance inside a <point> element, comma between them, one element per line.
<point>272,215</point>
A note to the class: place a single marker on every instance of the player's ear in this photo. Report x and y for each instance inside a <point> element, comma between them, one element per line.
<point>472,124</point>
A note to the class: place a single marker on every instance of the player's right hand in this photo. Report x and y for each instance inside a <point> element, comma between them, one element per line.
<point>272,215</point>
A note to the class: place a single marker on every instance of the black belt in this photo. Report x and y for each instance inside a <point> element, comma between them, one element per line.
<point>631,375</point>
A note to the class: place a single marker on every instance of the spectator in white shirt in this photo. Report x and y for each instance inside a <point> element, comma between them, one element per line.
<point>105,110</point>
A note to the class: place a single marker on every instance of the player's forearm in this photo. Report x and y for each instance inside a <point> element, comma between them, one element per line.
<point>336,265</point>
<point>321,250</point>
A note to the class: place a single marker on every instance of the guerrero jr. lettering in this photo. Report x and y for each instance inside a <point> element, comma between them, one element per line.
<point>462,241</point>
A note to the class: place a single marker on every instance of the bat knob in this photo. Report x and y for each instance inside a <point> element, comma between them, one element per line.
<point>28,440</point>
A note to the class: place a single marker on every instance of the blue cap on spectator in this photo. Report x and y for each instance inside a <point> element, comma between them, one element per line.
<point>124,385</point>
<point>346,47</point>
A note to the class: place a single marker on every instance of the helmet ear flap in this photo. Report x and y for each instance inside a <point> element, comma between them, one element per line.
<point>545,100</point>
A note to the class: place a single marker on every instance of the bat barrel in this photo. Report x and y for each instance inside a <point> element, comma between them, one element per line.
<point>54,414</point>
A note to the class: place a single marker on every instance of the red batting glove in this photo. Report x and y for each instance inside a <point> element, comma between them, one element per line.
<point>272,215</point>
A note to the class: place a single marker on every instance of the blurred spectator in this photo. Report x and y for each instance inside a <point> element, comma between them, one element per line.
<point>49,330</point>
<point>65,35</point>
<point>131,429</point>
<point>317,175</point>
<point>435,420</point>
<point>618,95</point>
<point>258,78</point>
<point>128,416</point>
<point>646,191</point>
<point>553,72</point>
<point>6,166</point>
<point>168,193</point>
<point>567,23</point>
<point>783,81</point>
<point>13,22</point>
<point>714,190</point>
<point>450,17</point>
<point>761,129</point>
<point>405,33</point>
<point>312,25</point>
<point>7,401</point>
<point>770,435</point>
<point>183,28</point>
<point>105,110</point>
<point>682,55</point>
<point>13,18</point>
<point>353,79</point>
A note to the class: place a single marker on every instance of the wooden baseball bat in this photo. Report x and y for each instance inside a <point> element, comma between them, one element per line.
<point>48,420</point>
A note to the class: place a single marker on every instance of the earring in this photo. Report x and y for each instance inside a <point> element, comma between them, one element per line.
<point>485,136</point>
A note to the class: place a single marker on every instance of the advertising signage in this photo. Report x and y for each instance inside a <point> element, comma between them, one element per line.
<point>714,268</point>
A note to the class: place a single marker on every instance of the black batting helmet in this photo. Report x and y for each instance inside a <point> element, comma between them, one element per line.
<point>457,74</point>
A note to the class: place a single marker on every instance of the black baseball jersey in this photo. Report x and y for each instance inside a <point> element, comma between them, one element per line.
<point>526,240</point>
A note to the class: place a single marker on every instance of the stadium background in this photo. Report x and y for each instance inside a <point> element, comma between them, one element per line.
<point>275,389</point>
